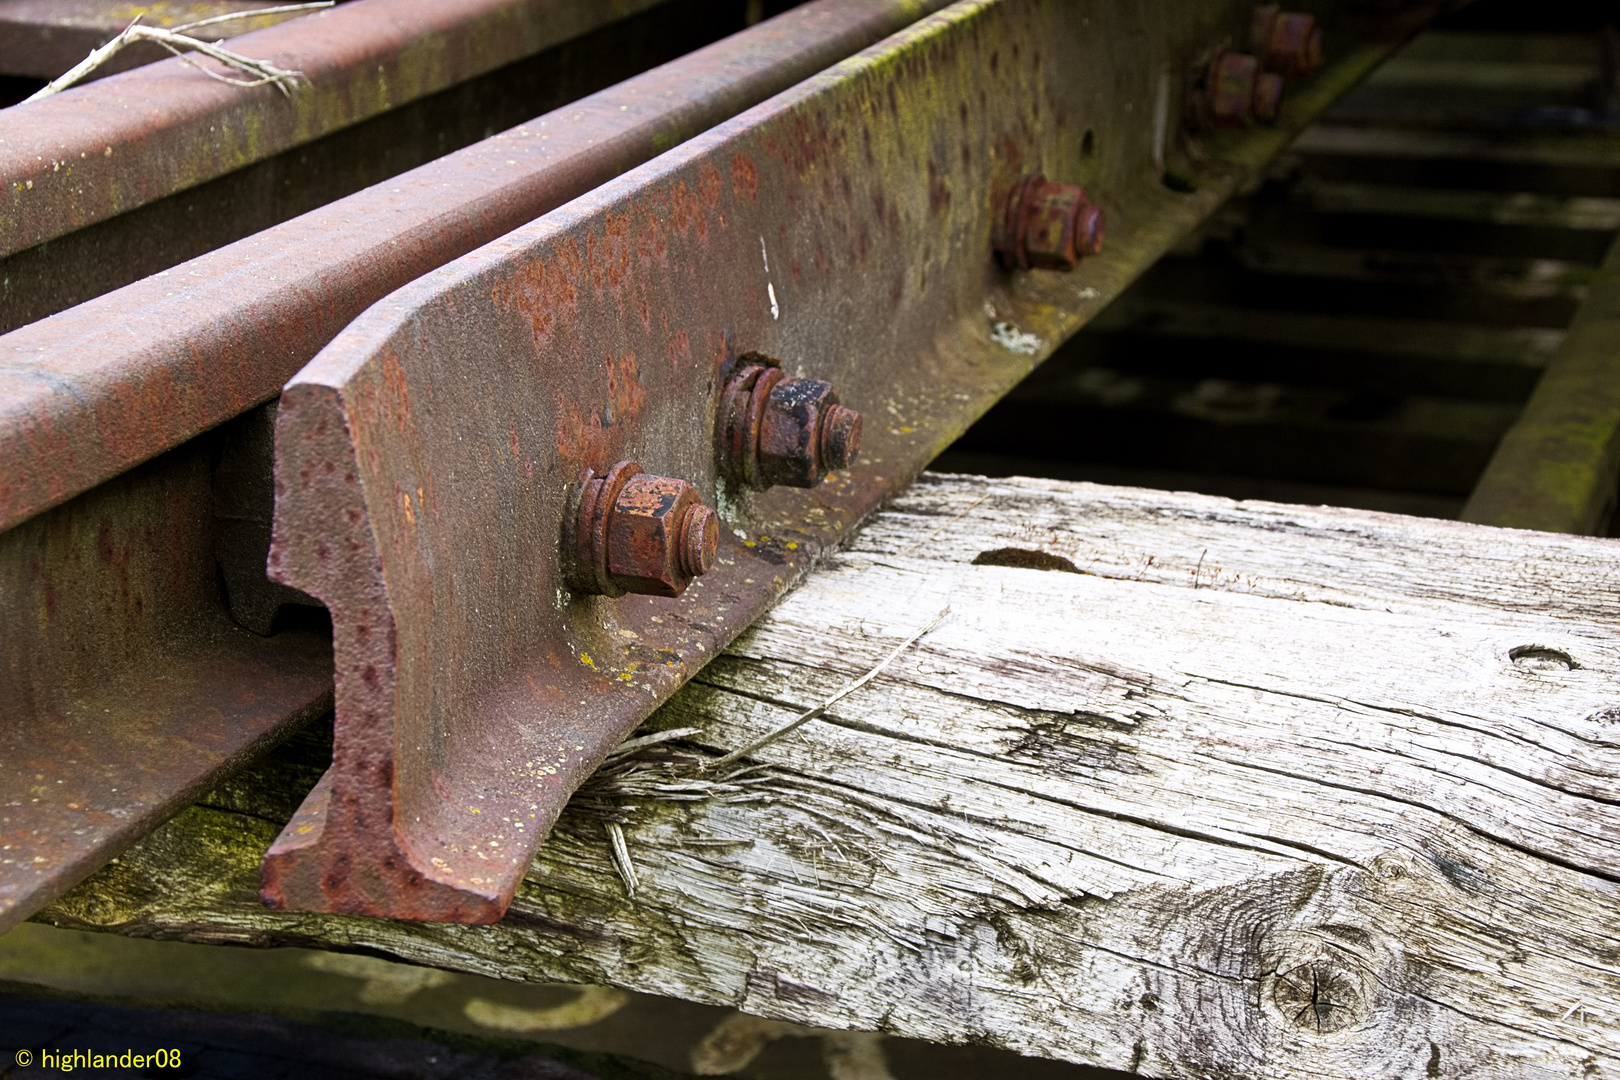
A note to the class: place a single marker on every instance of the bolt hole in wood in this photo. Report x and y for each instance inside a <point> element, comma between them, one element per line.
<point>1025,559</point>
<point>1088,143</point>
<point>1541,658</point>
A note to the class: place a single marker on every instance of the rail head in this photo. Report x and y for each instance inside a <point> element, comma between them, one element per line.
<point>98,150</point>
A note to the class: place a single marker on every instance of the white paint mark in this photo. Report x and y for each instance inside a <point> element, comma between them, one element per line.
<point>1161,121</point>
<point>1012,339</point>
<point>776,311</point>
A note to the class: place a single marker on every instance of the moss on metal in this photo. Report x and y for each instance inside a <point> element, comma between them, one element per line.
<point>1558,468</point>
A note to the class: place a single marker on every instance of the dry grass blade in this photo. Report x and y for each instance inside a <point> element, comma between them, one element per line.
<point>810,714</point>
<point>640,769</point>
<point>631,746</point>
<point>252,13</point>
<point>260,71</point>
<point>646,768</point>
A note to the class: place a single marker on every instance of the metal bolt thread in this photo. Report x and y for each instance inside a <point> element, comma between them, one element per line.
<point>840,438</point>
<point>700,539</point>
<point>1268,93</point>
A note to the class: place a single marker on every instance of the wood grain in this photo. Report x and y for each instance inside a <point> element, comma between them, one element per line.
<point>1228,789</point>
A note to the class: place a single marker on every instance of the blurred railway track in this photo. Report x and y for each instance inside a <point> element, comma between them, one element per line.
<point>1364,328</point>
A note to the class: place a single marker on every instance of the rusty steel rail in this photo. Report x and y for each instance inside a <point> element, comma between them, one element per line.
<point>112,630</point>
<point>101,149</point>
<point>93,391</point>
<point>51,277</point>
<point>441,462</point>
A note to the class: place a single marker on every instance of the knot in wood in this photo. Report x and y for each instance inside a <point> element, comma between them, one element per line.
<point>1321,997</point>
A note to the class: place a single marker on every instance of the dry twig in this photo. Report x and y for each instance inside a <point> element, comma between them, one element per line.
<point>262,71</point>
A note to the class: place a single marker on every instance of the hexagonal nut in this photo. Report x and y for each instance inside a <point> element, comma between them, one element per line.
<point>659,536</point>
<point>1060,225</point>
<point>773,429</point>
<point>1292,45</point>
<point>1046,225</point>
<point>795,419</point>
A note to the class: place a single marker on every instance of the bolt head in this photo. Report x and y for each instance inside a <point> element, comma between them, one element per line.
<point>700,540</point>
<point>1047,225</point>
<point>840,437</point>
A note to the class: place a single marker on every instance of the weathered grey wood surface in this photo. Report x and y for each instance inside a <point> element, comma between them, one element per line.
<point>1260,791</point>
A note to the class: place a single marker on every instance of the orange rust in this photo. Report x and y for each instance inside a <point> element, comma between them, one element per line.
<point>618,231</point>
<point>744,177</point>
<point>584,433</point>
<point>710,185</point>
<point>397,400</point>
<point>688,209</point>
<point>680,347</point>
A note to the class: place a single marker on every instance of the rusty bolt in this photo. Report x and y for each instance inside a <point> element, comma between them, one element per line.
<point>1268,92</point>
<point>629,531</point>
<point>1287,42</point>
<point>1047,226</point>
<point>777,430</point>
<point>1237,92</point>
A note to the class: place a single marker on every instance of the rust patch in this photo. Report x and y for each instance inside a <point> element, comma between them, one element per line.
<point>744,177</point>
<point>584,435</point>
<point>396,401</point>
<point>710,186</point>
